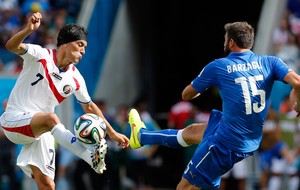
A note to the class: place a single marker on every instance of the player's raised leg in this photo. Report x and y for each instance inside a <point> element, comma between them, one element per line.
<point>94,158</point>
<point>168,137</point>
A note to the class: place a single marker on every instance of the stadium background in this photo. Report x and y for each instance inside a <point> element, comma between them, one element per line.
<point>152,49</point>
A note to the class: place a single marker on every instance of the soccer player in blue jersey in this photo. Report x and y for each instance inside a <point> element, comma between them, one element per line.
<point>244,80</point>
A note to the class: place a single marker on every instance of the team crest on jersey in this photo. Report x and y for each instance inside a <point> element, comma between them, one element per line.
<point>67,89</point>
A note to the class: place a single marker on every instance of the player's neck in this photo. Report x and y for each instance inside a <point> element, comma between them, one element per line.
<point>239,50</point>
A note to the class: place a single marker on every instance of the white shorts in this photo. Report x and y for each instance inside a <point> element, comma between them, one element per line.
<point>39,152</point>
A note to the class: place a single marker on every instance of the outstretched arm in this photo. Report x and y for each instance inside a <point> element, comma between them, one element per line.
<point>189,93</point>
<point>14,44</point>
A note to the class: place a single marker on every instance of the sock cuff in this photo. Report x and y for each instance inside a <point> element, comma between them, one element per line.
<point>59,125</point>
<point>180,139</point>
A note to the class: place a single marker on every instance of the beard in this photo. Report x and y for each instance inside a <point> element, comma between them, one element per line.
<point>226,50</point>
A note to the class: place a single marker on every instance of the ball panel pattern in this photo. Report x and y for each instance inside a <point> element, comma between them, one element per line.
<point>90,129</point>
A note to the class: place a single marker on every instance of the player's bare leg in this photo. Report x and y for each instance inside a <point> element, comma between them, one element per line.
<point>44,122</point>
<point>193,134</point>
<point>185,185</point>
<point>43,182</point>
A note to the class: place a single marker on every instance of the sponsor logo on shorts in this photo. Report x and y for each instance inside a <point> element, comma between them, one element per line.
<point>50,168</point>
<point>192,174</point>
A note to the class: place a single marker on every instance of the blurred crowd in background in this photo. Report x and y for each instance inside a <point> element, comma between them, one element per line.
<point>13,15</point>
<point>277,162</point>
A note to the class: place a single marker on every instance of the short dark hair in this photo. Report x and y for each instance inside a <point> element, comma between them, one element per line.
<point>71,32</point>
<point>241,32</point>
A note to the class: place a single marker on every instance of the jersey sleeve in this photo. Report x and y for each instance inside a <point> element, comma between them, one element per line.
<point>32,53</point>
<point>206,78</point>
<point>81,93</point>
<point>280,68</point>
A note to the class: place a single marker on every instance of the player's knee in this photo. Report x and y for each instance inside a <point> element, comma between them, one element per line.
<point>193,134</point>
<point>52,120</point>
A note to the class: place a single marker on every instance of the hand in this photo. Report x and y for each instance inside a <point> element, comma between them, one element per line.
<point>296,109</point>
<point>294,101</point>
<point>34,21</point>
<point>122,140</point>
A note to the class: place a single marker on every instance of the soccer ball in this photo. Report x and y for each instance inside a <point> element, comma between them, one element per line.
<point>90,129</point>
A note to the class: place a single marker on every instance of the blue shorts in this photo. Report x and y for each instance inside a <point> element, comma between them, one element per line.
<point>211,159</point>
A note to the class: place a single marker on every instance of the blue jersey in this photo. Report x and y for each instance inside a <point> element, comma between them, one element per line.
<point>244,81</point>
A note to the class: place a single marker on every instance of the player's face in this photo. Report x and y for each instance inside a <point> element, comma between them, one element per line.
<point>226,45</point>
<point>75,50</point>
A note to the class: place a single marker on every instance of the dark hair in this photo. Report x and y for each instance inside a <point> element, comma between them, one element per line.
<point>241,32</point>
<point>71,32</point>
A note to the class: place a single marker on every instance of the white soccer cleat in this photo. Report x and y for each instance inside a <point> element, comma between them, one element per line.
<point>98,156</point>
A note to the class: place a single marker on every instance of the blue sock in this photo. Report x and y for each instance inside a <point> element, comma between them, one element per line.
<point>166,137</point>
